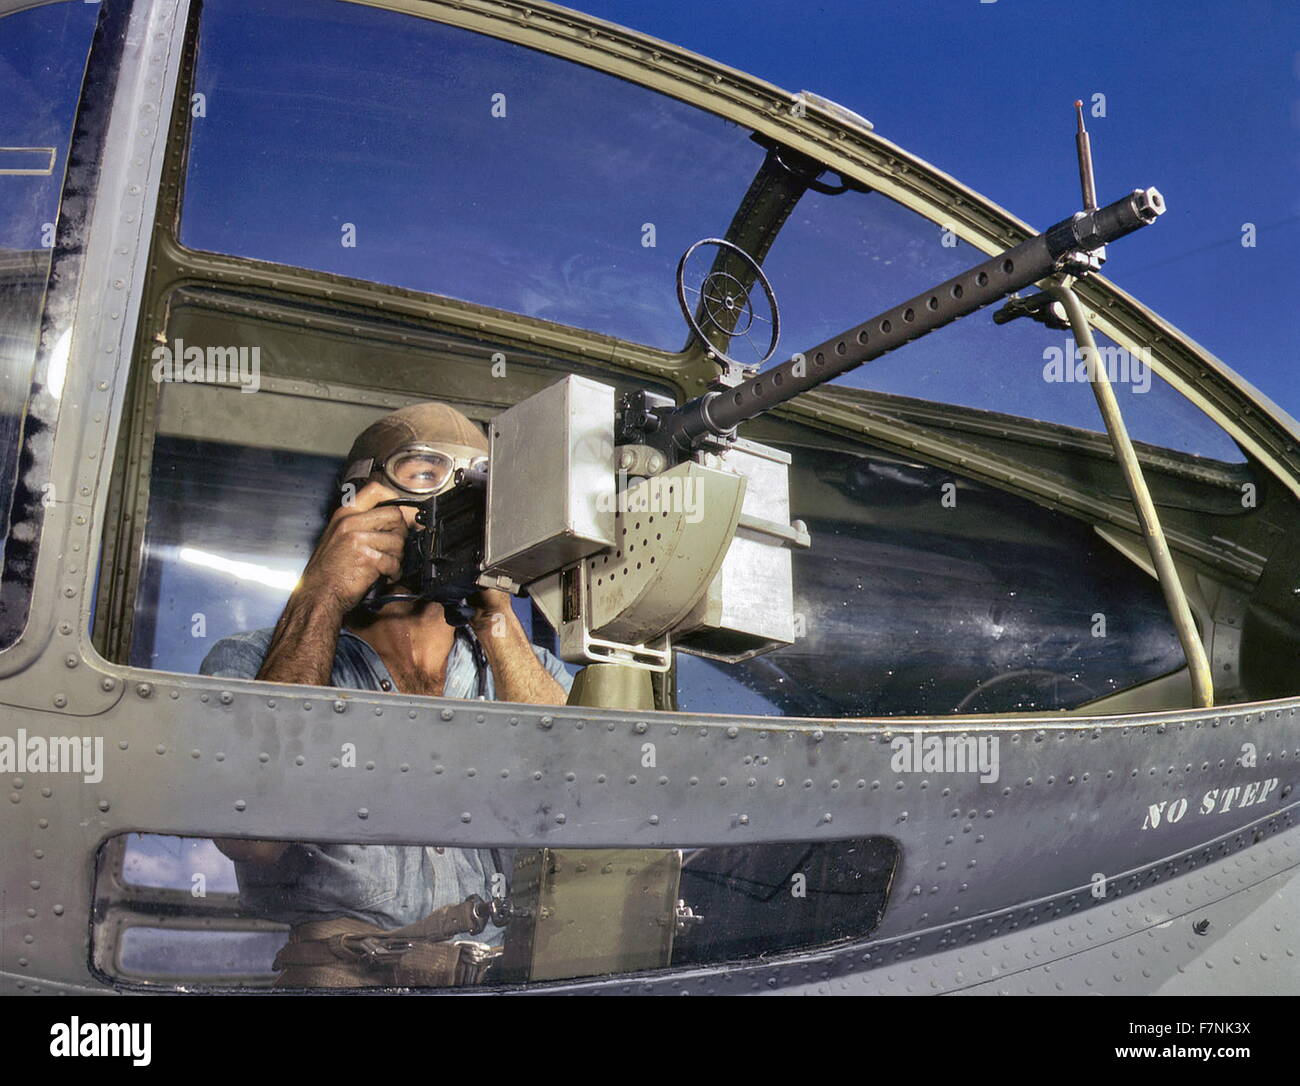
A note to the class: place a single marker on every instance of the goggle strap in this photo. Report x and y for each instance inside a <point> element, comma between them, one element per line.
<point>360,469</point>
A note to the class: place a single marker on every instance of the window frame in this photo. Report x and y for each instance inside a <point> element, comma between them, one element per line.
<point>112,164</point>
<point>29,495</point>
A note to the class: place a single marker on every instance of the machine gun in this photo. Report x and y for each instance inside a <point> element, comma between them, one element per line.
<point>640,526</point>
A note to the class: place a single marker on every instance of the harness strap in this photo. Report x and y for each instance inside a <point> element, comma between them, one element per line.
<point>471,916</point>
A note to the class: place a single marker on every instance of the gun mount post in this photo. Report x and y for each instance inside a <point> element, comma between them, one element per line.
<point>613,686</point>
<point>1175,598</point>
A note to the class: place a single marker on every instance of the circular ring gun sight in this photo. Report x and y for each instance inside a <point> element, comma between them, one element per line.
<point>716,283</point>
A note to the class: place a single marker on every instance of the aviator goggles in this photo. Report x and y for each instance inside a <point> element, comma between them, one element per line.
<point>423,470</point>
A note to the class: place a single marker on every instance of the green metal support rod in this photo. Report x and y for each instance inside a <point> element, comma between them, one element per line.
<point>1175,598</point>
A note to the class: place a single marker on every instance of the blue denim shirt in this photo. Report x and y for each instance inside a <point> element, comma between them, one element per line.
<point>385,885</point>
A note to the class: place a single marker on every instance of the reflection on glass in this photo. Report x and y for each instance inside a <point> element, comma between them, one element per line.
<point>430,157</point>
<point>42,59</point>
<point>156,862</point>
<point>569,198</point>
<point>157,952</point>
<point>351,915</point>
<point>225,539</point>
<point>911,608</point>
<point>210,568</point>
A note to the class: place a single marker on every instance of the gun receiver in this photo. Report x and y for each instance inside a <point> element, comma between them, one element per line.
<point>1064,247</point>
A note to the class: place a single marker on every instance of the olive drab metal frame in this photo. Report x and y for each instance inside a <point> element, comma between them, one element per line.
<point>1001,867</point>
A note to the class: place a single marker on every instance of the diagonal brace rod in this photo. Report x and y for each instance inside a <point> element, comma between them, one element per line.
<point>1175,598</point>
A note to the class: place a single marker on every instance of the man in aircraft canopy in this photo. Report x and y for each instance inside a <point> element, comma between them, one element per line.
<point>333,895</point>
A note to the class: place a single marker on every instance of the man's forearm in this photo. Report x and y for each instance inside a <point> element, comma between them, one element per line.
<point>302,647</point>
<point>516,671</point>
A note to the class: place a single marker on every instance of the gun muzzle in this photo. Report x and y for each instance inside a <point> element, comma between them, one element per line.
<point>1090,230</point>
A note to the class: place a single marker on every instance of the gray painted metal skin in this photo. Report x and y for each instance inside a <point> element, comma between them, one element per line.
<point>995,879</point>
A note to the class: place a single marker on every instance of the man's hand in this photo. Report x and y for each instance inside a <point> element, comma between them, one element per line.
<point>359,545</point>
<point>518,674</point>
<point>491,607</point>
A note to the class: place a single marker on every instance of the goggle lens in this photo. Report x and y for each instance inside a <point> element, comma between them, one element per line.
<point>420,472</point>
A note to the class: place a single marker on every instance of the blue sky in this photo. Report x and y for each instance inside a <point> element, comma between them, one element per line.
<point>1202,101</point>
